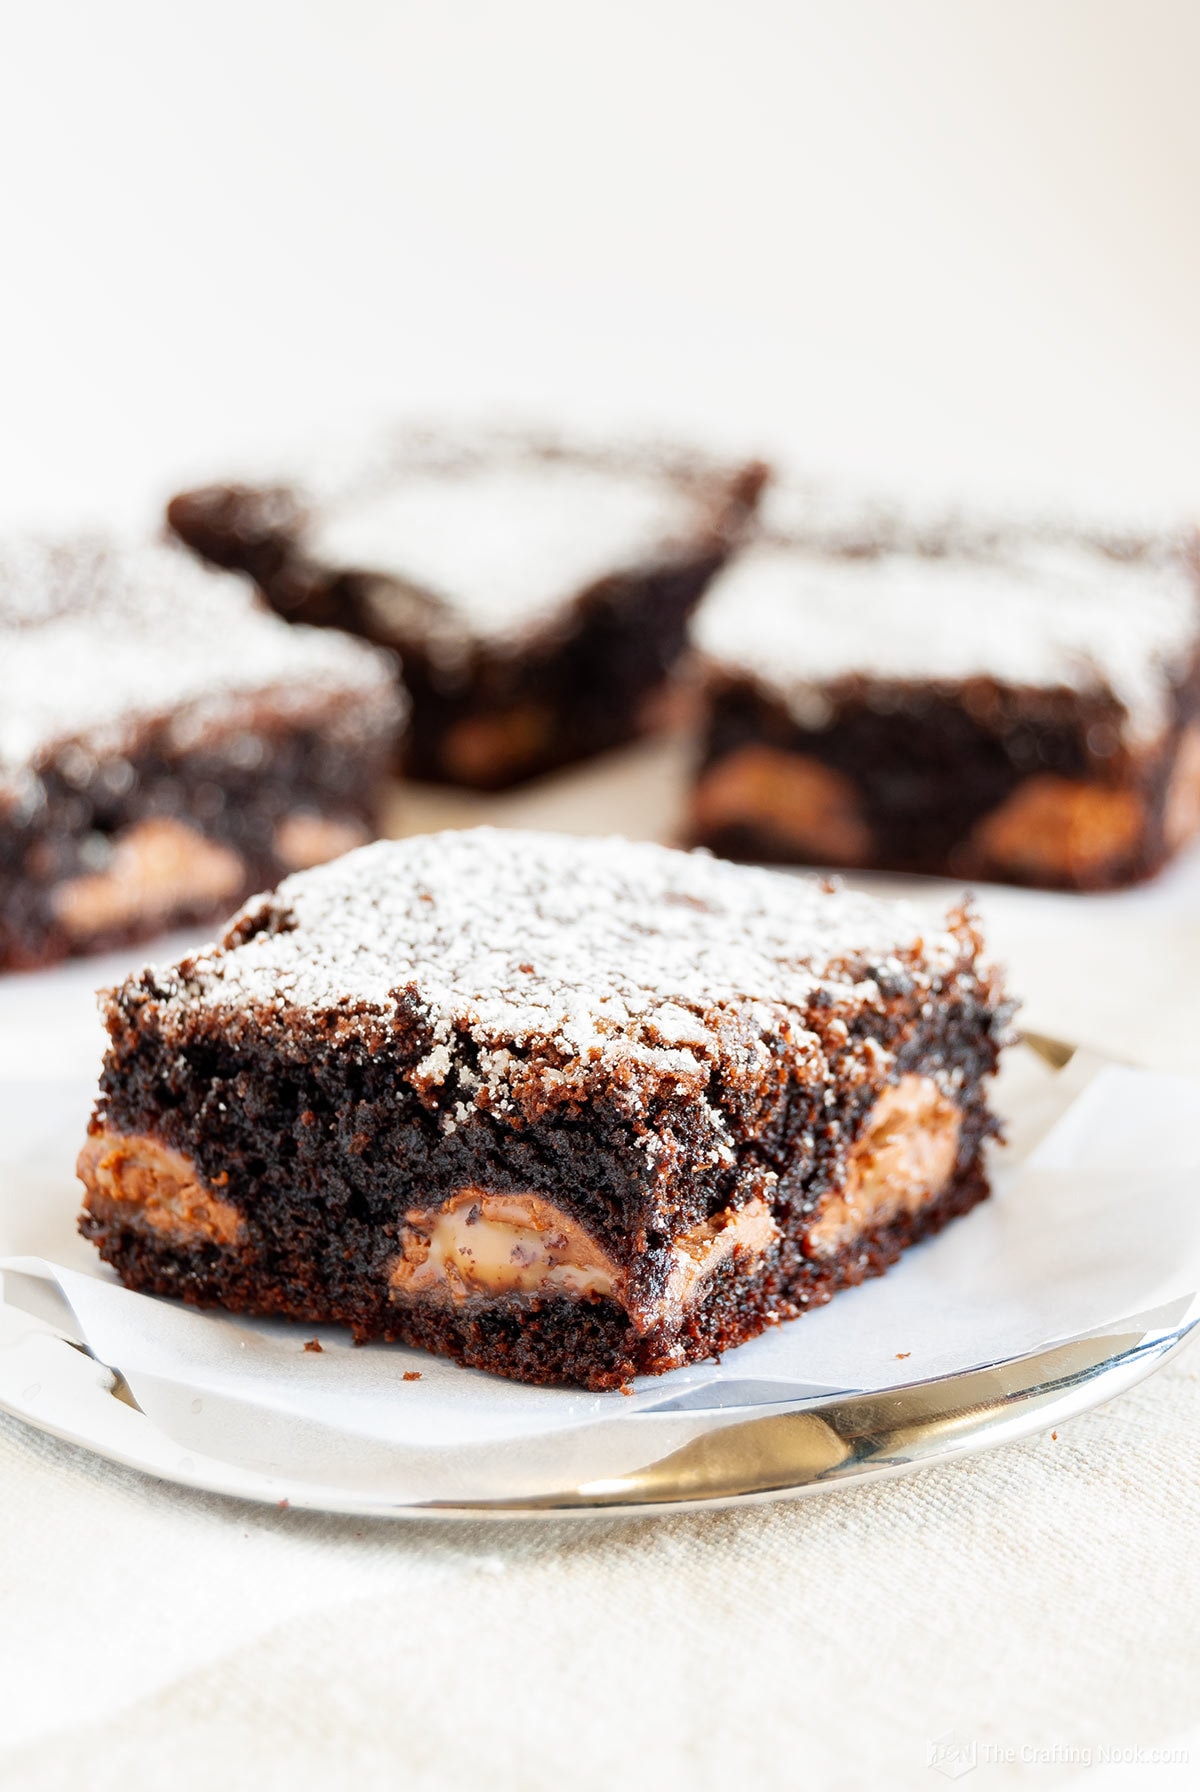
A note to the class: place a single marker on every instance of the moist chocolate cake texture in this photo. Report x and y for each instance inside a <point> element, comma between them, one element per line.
<point>568,1110</point>
<point>167,745</point>
<point>537,594</point>
<point>1020,704</point>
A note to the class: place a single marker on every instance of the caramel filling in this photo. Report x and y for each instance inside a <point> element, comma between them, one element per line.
<point>903,1159</point>
<point>499,1244</point>
<point>750,1229</point>
<point>157,868</point>
<point>302,841</point>
<point>485,749</point>
<point>796,799</point>
<point>136,1181</point>
<point>493,1245</point>
<point>1181,813</point>
<point>1053,827</point>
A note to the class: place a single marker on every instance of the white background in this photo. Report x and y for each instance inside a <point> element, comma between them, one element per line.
<point>948,240</point>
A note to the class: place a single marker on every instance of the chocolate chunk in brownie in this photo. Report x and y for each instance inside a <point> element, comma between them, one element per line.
<point>166,744</point>
<point>538,594</point>
<point>568,1110</point>
<point>1020,704</point>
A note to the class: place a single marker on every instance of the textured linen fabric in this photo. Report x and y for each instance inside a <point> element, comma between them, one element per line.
<point>1045,1594</point>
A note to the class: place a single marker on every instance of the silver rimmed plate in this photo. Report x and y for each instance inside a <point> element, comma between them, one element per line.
<point>784,1453</point>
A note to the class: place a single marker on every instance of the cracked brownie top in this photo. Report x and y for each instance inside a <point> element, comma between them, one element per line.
<point>1038,614</point>
<point>98,636</point>
<point>481,540</point>
<point>525,968</point>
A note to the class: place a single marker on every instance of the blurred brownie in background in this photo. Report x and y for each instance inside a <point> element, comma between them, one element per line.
<point>1017,705</point>
<point>167,746</point>
<point>538,595</point>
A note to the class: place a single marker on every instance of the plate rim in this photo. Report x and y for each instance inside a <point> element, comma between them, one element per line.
<point>882,1435</point>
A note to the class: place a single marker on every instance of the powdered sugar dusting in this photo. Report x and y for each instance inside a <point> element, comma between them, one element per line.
<point>837,516</point>
<point>584,953</point>
<point>504,543</point>
<point>96,637</point>
<point>1039,612</point>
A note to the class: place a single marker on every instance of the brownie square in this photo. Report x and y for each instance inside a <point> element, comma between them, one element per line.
<point>1017,704</point>
<point>537,594</point>
<point>167,746</point>
<point>568,1110</point>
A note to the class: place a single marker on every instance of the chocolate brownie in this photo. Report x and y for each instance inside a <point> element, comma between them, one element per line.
<point>166,744</point>
<point>568,1110</point>
<point>538,595</point>
<point>1019,705</point>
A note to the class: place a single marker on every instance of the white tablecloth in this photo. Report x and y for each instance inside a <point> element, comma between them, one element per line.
<point>1044,1595</point>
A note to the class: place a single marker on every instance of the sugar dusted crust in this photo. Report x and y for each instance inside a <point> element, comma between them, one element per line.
<point>531,965</point>
<point>503,543</point>
<point>1027,614</point>
<point>483,536</point>
<point>98,636</point>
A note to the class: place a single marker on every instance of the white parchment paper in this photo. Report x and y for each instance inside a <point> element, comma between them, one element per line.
<point>1096,1217</point>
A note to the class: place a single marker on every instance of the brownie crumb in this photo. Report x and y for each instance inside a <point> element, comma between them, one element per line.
<point>315,1345</point>
<point>411,1375</point>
